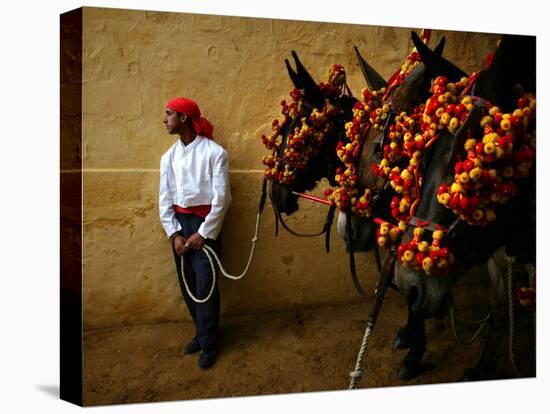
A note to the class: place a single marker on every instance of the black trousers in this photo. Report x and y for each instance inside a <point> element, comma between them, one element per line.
<point>198,274</point>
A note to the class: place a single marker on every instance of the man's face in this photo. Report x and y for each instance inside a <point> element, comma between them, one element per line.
<point>173,122</point>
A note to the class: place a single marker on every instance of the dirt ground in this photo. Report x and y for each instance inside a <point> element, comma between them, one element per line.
<point>284,352</point>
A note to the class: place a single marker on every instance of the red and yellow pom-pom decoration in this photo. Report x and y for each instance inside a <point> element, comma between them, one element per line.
<point>408,138</point>
<point>370,113</point>
<point>526,297</point>
<point>399,77</point>
<point>347,193</point>
<point>309,132</point>
<point>387,234</point>
<point>418,254</point>
<point>411,134</point>
<point>486,179</point>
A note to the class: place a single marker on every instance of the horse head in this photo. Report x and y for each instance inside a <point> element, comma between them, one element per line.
<point>403,96</point>
<point>305,141</point>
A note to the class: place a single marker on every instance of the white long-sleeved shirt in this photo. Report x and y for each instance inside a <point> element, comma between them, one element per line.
<point>193,175</point>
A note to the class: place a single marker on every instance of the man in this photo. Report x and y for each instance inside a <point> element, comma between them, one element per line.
<point>194,195</point>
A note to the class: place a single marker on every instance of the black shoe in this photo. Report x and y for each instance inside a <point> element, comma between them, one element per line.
<point>192,347</point>
<point>207,359</point>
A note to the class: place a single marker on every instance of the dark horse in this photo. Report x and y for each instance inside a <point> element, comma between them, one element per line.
<point>508,77</point>
<point>325,163</point>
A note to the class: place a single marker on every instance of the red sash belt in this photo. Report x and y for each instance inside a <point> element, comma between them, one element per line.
<point>201,211</point>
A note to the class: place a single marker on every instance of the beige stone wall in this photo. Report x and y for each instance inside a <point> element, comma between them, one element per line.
<point>134,62</point>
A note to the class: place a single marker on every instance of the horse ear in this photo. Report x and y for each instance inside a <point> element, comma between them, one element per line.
<point>374,80</point>
<point>312,91</point>
<point>306,79</point>
<point>514,61</point>
<point>470,127</point>
<point>436,65</point>
<point>293,75</point>
<point>439,48</point>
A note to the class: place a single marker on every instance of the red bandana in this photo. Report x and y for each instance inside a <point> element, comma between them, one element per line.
<point>191,109</point>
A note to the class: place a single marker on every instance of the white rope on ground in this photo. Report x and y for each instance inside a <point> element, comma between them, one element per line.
<point>210,253</point>
<point>511,261</point>
<point>358,371</point>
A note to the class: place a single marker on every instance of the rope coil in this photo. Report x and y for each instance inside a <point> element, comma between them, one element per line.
<point>211,255</point>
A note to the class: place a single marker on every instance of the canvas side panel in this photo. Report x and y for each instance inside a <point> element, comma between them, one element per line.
<point>71,206</point>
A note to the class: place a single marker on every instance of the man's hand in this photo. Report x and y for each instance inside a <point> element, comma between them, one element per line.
<point>179,245</point>
<point>195,241</point>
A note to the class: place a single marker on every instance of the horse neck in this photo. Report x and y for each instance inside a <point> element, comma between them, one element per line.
<point>434,175</point>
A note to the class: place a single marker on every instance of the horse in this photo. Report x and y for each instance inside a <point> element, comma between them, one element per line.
<point>510,74</point>
<point>312,98</point>
<point>401,97</point>
<point>407,337</point>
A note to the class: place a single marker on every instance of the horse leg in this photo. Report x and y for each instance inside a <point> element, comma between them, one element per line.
<point>485,367</point>
<point>410,366</point>
<point>403,338</point>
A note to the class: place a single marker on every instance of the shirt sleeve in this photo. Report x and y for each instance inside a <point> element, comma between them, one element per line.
<point>221,198</point>
<point>166,204</point>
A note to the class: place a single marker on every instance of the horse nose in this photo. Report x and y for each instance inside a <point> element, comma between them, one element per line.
<point>412,288</point>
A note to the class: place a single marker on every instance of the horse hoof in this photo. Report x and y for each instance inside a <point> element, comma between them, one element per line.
<point>402,339</point>
<point>407,371</point>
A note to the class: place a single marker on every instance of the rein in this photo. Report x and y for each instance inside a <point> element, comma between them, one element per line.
<point>212,255</point>
<point>349,239</point>
<point>279,218</point>
<point>351,253</point>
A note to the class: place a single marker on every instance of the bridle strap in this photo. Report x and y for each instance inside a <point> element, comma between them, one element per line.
<point>433,226</point>
<point>426,224</point>
<point>471,84</point>
<point>276,213</point>
<point>284,142</point>
<point>295,233</point>
<point>328,225</point>
<point>279,218</point>
<point>353,269</point>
